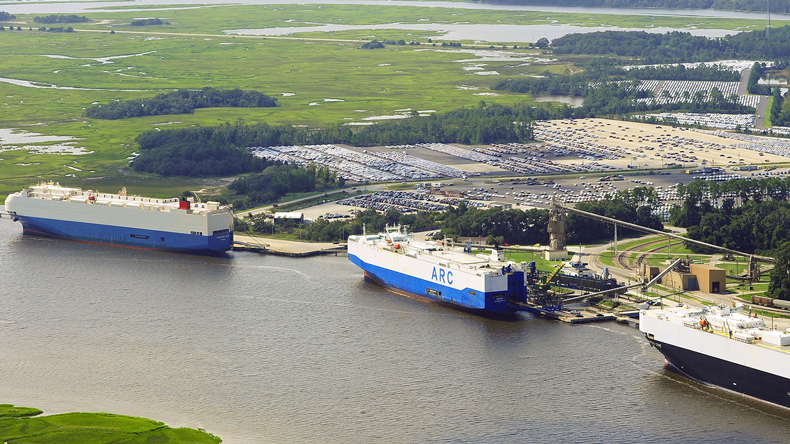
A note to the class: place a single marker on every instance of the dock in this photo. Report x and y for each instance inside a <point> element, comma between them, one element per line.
<point>280,247</point>
<point>582,316</point>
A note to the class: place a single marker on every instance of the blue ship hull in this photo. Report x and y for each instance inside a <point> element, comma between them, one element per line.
<point>126,236</point>
<point>483,303</point>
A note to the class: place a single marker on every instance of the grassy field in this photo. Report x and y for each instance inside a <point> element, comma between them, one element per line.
<point>23,425</point>
<point>193,52</point>
<point>220,18</point>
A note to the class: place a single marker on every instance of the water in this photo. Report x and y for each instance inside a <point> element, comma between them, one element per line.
<point>454,31</point>
<point>261,349</point>
<point>482,33</point>
<point>73,7</point>
<point>570,100</point>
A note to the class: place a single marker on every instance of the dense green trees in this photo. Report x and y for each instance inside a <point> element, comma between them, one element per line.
<point>61,18</point>
<point>198,153</point>
<point>515,226</point>
<point>678,46</point>
<point>375,44</point>
<point>744,215</point>
<point>613,97</point>
<point>183,101</point>
<point>58,29</point>
<point>780,275</point>
<point>6,16</point>
<point>605,70</point>
<point>780,6</point>
<point>628,206</point>
<point>777,112</point>
<point>753,87</point>
<point>275,182</point>
<point>149,22</point>
<point>322,230</point>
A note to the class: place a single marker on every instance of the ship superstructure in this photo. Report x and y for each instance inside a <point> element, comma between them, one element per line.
<point>434,271</point>
<point>49,209</point>
<point>723,346</point>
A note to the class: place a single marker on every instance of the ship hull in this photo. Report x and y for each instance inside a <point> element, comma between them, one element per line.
<point>473,300</point>
<point>507,315</point>
<point>126,236</point>
<point>726,374</point>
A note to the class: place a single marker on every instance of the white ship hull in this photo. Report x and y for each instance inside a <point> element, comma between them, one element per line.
<point>754,368</point>
<point>121,220</point>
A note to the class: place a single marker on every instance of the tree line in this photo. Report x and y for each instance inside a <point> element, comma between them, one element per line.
<point>322,230</point>
<point>676,46</point>
<point>605,70</point>
<point>780,6</point>
<point>222,150</point>
<point>752,216</point>
<point>61,18</point>
<point>149,22</point>
<point>6,16</point>
<point>183,101</point>
<point>275,181</point>
<point>513,226</point>
<point>622,97</point>
<point>58,29</point>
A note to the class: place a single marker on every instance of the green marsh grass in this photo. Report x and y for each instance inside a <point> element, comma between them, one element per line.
<point>17,426</point>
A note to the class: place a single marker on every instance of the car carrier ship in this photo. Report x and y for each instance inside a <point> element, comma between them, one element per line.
<point>52,210</point>
<point>433,271</point>
<point>723,346</point>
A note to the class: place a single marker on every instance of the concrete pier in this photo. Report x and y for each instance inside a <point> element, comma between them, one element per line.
<point>570,316</point>
<point>281,247</point>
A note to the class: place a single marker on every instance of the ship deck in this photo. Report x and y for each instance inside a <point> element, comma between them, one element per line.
<point>678,314</point>
<point>54,191</point>
<point>448,257</point>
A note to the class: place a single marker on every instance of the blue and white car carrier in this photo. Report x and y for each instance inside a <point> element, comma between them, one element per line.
<point>432,271</point>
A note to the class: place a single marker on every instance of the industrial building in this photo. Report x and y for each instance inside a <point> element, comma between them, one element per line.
<point>687,276</point>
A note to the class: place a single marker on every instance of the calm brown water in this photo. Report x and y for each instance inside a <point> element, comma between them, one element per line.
<point>261,349</point>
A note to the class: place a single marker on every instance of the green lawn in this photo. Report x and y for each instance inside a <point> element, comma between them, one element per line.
<point>23,425</point>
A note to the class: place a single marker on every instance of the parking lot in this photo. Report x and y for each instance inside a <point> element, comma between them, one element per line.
<point>576,161</point>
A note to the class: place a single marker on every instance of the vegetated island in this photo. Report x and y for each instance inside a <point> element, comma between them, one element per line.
<point>676,46</point>
<point>149,22</point>
<point>61,18</point>
<point>183,101</point>
<point>22,424</point>
<point>780,6</point>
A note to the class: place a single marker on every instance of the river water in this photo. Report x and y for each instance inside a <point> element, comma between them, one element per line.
<point>261,349</point>
<point>453,31</point>
<point>73,7</point>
